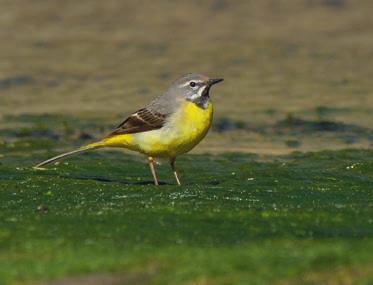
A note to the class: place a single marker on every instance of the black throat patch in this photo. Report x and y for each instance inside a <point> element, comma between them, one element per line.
<point>202,101</point>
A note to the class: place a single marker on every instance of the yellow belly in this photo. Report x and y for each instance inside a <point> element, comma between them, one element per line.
<point>184,130</point>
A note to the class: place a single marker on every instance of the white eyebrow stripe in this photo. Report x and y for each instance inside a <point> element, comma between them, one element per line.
<point>187,83</point>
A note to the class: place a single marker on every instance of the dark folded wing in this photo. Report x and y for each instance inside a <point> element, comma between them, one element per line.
<point>141,121</point>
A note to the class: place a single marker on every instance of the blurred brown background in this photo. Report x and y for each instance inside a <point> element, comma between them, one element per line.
<point>298,73</point>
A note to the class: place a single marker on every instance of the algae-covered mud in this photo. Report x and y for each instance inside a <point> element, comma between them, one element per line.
<point>238,219</point>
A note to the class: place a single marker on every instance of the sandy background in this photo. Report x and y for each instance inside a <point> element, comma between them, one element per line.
<point>298,74</point>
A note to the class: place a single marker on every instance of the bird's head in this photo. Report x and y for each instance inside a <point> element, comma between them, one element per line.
<point>195,88</point>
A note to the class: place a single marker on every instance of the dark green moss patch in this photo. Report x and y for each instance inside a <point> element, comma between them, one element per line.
<point>15,81</point>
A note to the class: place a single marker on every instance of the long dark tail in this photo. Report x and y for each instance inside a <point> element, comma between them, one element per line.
<point>79,150</point>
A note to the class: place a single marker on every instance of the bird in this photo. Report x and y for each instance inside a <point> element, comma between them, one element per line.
<point>170,125</point>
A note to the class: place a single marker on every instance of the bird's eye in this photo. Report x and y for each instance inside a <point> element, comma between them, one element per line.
<point>192,84</point>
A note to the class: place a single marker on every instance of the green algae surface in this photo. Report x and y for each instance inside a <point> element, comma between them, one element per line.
<point>237,219</point>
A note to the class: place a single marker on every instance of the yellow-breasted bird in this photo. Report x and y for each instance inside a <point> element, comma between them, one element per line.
<point>170,125</point>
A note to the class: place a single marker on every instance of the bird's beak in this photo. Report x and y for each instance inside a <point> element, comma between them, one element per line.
<point>214,81</point>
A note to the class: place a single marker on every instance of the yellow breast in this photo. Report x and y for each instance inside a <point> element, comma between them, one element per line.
<point>183,131</point>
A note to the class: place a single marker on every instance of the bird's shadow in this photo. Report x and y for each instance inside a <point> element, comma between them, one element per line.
<point>107,180</point>
<point>129,182</point>
<point>213,182</point>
